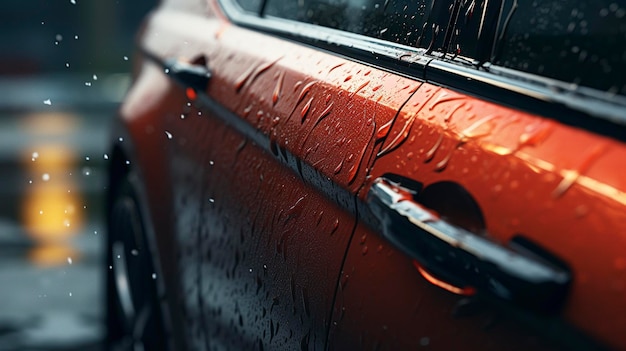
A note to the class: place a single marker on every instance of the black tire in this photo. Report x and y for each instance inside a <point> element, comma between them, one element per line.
<point>133,313</point>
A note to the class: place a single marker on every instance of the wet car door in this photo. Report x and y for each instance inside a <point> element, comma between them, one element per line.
<point>266,164</point>
<point>506,217</point>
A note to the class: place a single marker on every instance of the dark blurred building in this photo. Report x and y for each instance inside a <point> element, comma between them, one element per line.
<point>50,36</point>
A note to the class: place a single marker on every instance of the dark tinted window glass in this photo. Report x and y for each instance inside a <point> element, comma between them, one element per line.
<point>463,27</point>
<point>581,42</point>
<point>250,5</point>
<point>399,21</point>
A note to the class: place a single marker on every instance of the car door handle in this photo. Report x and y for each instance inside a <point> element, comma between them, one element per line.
<point>512,273</point>
<point>195,76</point>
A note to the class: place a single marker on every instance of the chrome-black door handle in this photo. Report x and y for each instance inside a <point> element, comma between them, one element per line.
<point>514,273</point>
<point>195,76</point>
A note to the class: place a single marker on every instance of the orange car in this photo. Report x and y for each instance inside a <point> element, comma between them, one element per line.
<point>371,174</point>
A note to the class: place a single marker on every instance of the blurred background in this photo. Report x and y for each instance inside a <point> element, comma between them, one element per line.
<point>64,68</point>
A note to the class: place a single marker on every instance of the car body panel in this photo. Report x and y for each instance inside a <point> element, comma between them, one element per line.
<point>257,188</point>
<point>320,124</point>
<point>553,184</point>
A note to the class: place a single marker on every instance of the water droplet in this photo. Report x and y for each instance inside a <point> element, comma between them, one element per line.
<point>212,200</point>
<point>278,88</point>
<point>69,260</point>
<point>134,252</point>
<point>35,155</point>
<point>154,276</point>
<point>401,136</point>
<point>535,134</point>
<point>88,84</point>
<point>45,177</point>
<point>47,102</point>
<point>95,77</point>
<point>444,97</point>
<point>338,168</point>
<point>359,89</point>
<point>86,171</point>
<point>73,2</point>
<point>441,165</point>
<point>364,250</point>
<point>67,64</point>
<point>106,157</point>
<point>335,226</point>
<point>125,58</point>
<point>70,294</point>
<point>384,130</point>
<point>305,110</point>
<point>120,139</point>
<point>431,153</point>
<point>76,37</point>
<point>168,134</point>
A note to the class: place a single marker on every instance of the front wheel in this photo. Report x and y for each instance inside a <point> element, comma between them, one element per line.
<point>133,317</point>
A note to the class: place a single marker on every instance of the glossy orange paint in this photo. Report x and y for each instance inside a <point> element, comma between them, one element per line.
<point>352,123</point>
<point>554,184</point>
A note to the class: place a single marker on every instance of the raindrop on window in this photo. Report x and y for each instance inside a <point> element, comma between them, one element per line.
<point>88,84</point>
<point>69,260</point>
<point>59,37</point>
<point>154,276</point>
<point>45,177</point>
<point>211,200</point>
<point>35,155</point>
<point>106,157</point>
<point>73,2</point>
<point>125,58</point>
<point>168,134</point>
<point>47,102</point>
<point>134,252</point>
<point>424,341</point>
<point>95,77</point>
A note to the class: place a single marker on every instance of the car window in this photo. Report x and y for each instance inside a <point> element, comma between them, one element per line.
<point>446,26</point>
<point>579,42</point>
<point>398,21</point>
<point>250,5</point>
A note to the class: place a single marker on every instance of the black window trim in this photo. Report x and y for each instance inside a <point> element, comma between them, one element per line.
<point>587,108</point>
